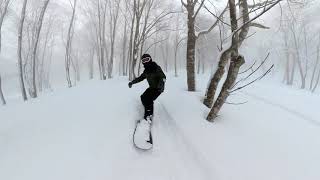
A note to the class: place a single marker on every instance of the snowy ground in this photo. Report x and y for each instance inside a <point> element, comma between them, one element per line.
<point>84,133</point>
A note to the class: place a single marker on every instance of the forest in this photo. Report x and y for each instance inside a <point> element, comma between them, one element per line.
<point>237,42</point>
<point>159,89</point>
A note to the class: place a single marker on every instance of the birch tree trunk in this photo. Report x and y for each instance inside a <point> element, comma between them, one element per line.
<point>233,68</point>
<point>101,38</point>
<point>124,47</point>
<point>139,8</point>
<point>20,35</point>
<point>315,66</point>
<point>287,54</point>
<point>45,47</point>
<point>316,83</point>
<point>34,92</point>
<point>1,93</point>
<point>135,48</point>
<point>238,36</point>
<point>91,57</point>
<point>191,45</point>
<point>303,74</point>
<point>68,57</point>
<point>214,82</point>
<point>293,70</point>
<point>3,13</point>
<point>175,59</point>
<point>176,43</point>
<point>226,54</point>
<point>199,61</point>
<point>236,63</point>
<point>114,14</point>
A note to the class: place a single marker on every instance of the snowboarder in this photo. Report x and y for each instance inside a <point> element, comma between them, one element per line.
<point>156,80</point>
<point>142,137</point>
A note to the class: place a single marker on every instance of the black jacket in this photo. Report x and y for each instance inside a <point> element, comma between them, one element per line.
<point>154,75</point>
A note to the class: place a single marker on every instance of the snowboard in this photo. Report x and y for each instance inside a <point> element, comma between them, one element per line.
<point>142,135</point>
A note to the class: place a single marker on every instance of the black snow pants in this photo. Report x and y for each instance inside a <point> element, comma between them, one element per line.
<point>147,99</point>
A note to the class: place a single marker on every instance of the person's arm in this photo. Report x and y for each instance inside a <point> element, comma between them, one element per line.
<point>163,76</point>
<point>138,79</point>
<point>162,79</point>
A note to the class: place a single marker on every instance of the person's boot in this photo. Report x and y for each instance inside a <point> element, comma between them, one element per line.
<point>148,113</point>
<point>149,136</point>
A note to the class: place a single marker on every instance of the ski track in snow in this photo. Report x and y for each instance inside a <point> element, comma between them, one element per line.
<point>172,157</point>
<point>291,111</point>
<point>191,159</point>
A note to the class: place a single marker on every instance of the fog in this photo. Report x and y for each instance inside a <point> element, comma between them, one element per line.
<point>290,35</point>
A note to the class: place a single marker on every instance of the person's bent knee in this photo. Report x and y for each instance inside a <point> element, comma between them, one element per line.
<point>143,99</point>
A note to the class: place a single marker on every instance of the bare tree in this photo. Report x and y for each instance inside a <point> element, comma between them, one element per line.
<point>138,12</point>
<point>198,57</point>
<point>177,42</point>
<point>68,54</point>
<point>239,34</point>
<point>3,11</point>
<point>102,6</point>
<point>190,5</point>
<point>98,18</point>
<point>91,57</point>
<point>34,91</point>
<point>92,37</point>
<point>315,66</point>
<point>237,62</point>
<point>286,77</point>
<point>44,53</point>
<point>297,35</point>
<point>193,11</point>
<point>1,93</point>
<point>165,54</point>
<point>96,11</point>
<point>315,81</point>
<point>113,15</point>
<point>302,72</point>
<point>124,47</point>
<point>243,32</point>
<point>20,34</point>
<point>4,4</point>
<point>145,22</point>
<point>176,48</point>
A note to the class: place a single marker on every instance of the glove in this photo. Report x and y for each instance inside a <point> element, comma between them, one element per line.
<point>130,84</point>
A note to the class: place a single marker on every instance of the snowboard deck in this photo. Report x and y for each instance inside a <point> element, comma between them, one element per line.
<point>140,143</point>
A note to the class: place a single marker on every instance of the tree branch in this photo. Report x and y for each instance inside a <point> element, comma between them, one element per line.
<point>257,25</point>
<point>197,12</point>
<point>183,3</point>
<point>213,25</point>
<point>257,79</point>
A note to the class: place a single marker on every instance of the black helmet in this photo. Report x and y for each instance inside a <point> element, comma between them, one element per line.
<point>146,58</point>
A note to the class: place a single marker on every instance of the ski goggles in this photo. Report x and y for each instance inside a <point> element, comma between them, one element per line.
<point>145,60</point>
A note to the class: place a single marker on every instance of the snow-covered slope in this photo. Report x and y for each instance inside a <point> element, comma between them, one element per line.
<point>84,133</point>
